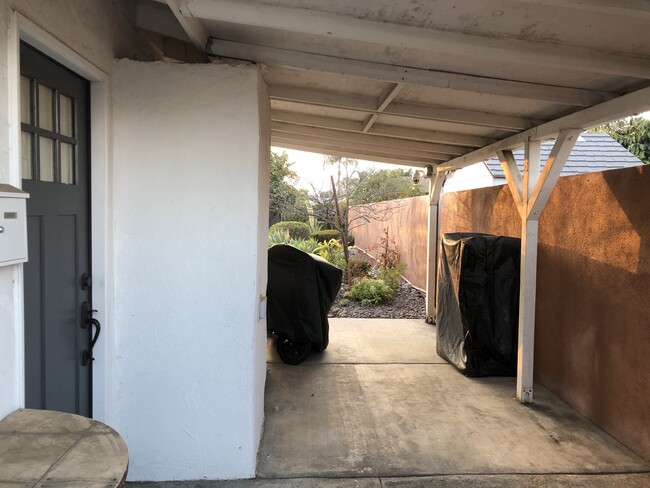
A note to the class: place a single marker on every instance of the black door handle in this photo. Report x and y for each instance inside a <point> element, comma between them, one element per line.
<point>98,330</point>
<point>86,320</point>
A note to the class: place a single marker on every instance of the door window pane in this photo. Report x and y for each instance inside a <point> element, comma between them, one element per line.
<point>65,116</point>
<point>45,112</point>
<point>26,155</point>
<point>25,100</point>
<point>67,163</point>
<point>46,163</point>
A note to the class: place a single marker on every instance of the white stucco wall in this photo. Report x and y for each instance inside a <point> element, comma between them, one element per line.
<point>190,200</point>
<point>259,352</point>
<point>96,30</point>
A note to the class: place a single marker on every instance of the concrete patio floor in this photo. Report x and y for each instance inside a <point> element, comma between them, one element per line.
<point>380,408</point>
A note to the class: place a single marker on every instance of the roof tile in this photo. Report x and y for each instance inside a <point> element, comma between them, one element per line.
<point>591,153</point>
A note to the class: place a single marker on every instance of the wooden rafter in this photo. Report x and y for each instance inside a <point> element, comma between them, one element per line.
<point>383,102</point>
<point>192,27</point>
<point>426,112</point>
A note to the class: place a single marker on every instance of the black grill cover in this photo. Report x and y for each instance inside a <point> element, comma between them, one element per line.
<point>300,292</point>
<point>478,303</point>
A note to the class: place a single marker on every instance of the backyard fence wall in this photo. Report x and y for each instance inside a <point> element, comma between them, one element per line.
<point>408,225</point>
<point>593,314</point>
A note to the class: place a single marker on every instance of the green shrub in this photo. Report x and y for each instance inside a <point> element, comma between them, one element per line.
<point>391,276</point>
<point>344,302</point>
<point>305,245</point>
<point>358,268</point>
<point>370,292</point>
<point>326,235</point>
<point>296,230</point>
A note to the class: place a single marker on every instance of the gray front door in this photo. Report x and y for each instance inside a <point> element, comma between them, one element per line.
<point>55,169</point>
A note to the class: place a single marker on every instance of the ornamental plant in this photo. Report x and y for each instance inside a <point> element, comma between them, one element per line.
<point>296,230</point>
<point>391,276</point>
<point>278,236</point>
<point>370,291</point>
<point>331,251</point>
<point>306,245</point>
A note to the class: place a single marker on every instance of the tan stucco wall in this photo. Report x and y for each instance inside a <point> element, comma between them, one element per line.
<point>593,314</point>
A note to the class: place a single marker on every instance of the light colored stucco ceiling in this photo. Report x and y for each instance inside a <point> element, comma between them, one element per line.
<point>419,82</point>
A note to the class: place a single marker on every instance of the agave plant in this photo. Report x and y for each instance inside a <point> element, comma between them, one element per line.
<point>305,245</point>
<point>277,236</point>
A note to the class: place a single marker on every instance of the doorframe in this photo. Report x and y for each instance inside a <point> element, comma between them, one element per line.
<point>23,29</point>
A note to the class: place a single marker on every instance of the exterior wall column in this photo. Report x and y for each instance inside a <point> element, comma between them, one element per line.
<point>191,162</point>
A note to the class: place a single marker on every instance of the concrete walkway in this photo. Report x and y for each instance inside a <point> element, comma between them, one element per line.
<point>380,408</point>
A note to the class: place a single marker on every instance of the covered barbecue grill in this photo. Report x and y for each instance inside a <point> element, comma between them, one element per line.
<point>478,303</point>
<point>301,290</point>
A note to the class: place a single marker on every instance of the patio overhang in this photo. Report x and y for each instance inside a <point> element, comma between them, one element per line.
<point>443,83</point>
<point>369,79</point>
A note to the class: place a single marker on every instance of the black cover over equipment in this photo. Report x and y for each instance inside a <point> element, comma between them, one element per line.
<point>300,292</point>
<point>478,303</point>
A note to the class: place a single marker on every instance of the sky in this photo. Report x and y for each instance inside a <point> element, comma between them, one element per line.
<point>310,170</point>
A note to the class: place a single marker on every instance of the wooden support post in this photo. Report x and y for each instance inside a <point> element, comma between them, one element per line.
<point>527,292</point>
<point>535,192</point>
<point>435,189</point>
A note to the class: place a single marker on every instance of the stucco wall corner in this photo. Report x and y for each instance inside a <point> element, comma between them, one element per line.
<point>264,110</point>
<point>189,209</point>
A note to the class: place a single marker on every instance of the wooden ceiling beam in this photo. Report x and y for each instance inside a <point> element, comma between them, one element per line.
<point>535,54</point>
<point>430,135</point>
<point>408,133</point>
<point>360,146</point>
<point>627,8</point>
<point>351,137</point>
<point>403,74</point>
<point>350,153</point>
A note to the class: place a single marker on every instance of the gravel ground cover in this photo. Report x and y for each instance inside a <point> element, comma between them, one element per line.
<point>408,303</point>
